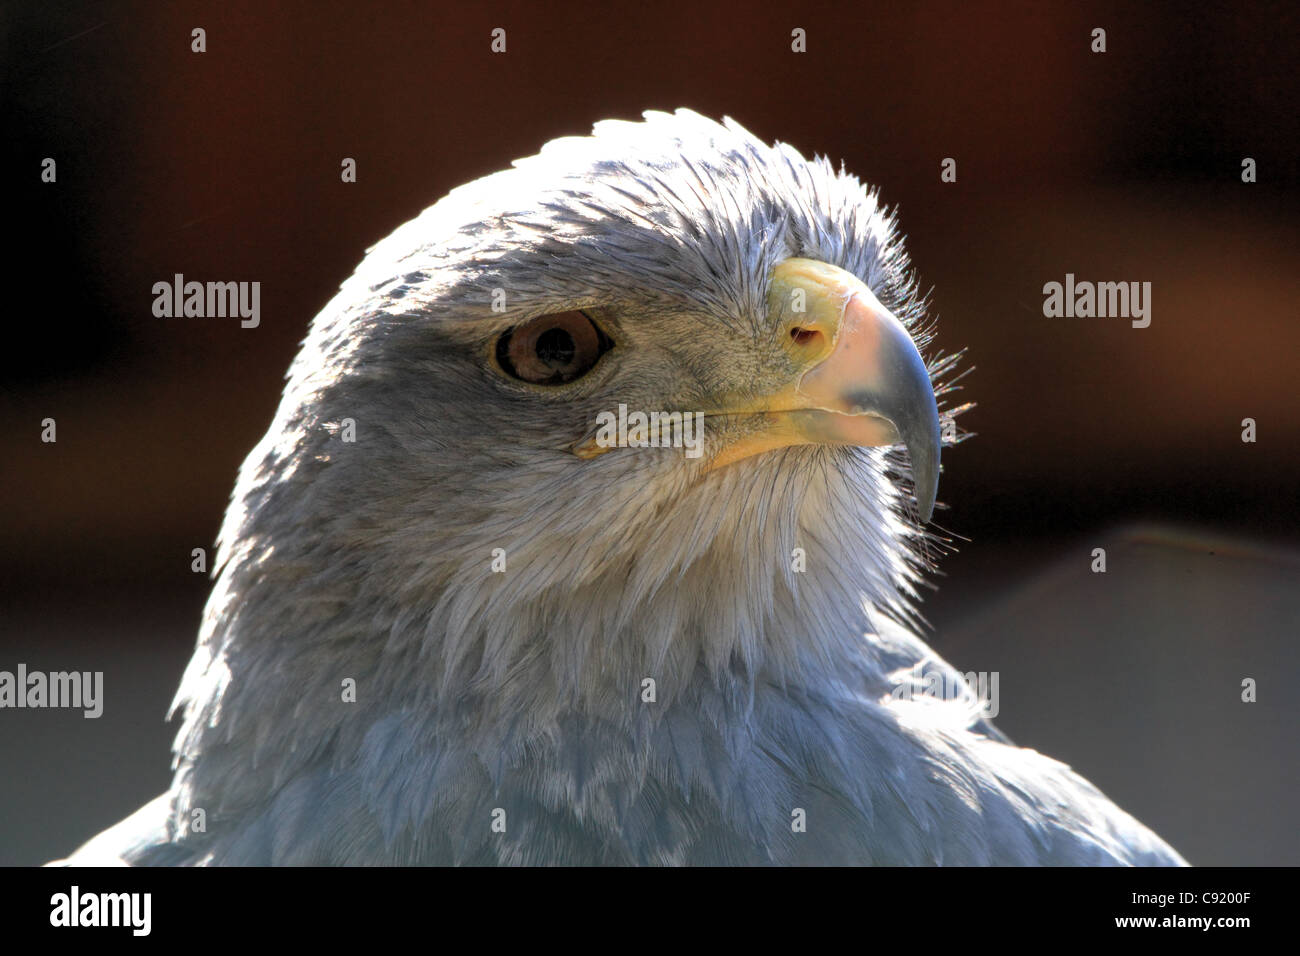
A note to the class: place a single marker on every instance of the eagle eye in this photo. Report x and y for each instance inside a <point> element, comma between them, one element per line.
<point>552,349</point>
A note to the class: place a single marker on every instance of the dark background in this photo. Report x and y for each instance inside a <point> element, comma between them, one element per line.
<point>1123,166</point>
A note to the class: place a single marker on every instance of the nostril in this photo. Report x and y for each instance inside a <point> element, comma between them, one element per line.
<point>803,336</point>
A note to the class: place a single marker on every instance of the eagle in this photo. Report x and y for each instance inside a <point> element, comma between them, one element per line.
<point>459,617</point>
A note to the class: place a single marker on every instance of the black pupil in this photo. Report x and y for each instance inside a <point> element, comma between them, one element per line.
<point>555,347</point>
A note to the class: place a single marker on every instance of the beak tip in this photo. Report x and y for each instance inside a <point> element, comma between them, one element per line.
<point>926,504</point>
<point>925,500</point>
<point>924,452</point>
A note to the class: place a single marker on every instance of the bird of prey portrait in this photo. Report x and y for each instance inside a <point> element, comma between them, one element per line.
<point>458,620</point>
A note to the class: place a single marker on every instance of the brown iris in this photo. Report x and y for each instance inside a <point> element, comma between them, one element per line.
<point>552,349</point>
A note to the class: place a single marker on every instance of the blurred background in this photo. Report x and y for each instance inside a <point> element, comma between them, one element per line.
<point>1122,166</point>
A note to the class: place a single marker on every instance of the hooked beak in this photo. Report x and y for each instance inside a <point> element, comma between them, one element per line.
<point>861,380</point>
